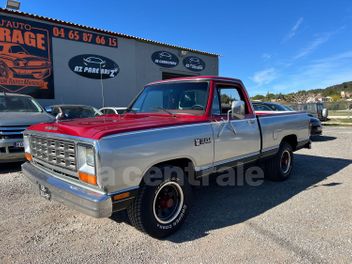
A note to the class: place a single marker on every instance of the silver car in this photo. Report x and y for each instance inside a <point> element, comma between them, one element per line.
<point>17,112</point>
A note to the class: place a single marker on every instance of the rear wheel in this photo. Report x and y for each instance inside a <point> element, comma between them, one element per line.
<point>159,210</point>
<point>279,167</point>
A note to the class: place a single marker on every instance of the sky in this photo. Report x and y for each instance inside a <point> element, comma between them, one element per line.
<point>276,46</point>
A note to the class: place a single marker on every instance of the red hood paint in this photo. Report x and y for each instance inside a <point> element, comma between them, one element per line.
<point>99,127</point>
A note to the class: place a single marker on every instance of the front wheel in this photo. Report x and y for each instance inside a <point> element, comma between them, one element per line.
<point>279,167</point>
<point>160,209</point>
<point>5,72</point>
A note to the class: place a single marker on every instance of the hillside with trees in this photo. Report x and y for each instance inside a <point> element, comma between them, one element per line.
<point>333,92</point>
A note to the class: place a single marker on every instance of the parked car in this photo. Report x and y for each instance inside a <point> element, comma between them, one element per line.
<point>269,106</point>
<point>318,110</point>
<point>94,60</point>
<point>63,112</point>
<point>315,125</point>
<point>173,133</point>
<point>113,110</point>
<point>165,54</point>
<point>17,112</point>
<point>14,59</point>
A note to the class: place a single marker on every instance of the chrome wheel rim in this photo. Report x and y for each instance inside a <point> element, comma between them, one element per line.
<point>168,202</point>
<point>285,162</point>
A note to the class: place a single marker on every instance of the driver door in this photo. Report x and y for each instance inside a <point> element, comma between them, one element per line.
<point>235,139</point>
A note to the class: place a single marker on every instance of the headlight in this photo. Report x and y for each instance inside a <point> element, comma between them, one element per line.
<point>86,164</point>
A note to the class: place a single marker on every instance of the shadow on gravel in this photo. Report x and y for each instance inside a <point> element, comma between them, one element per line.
<point>321,138</point>
<point>216,207</point>
<point>10,167</point>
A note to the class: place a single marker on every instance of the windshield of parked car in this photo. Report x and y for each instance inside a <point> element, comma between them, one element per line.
<point>18,104</point>
<point>72,112</point>
<point>288,108</point>
<point>261,107</point>
<point>172,98</point>
<point>18,49</point>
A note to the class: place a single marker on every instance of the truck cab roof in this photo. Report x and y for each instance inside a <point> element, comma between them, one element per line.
<point>198,78</point>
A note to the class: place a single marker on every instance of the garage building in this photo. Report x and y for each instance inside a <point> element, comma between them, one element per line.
<point>60,62</point>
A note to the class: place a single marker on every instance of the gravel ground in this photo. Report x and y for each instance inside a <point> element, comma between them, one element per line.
<point>303,220</point>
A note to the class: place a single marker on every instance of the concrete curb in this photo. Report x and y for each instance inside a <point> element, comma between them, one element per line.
<point>337,124</point>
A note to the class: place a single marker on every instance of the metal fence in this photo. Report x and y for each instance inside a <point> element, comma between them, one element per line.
<point>343,105</point>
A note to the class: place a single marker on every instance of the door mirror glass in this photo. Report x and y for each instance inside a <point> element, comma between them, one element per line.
<point>238,109</point>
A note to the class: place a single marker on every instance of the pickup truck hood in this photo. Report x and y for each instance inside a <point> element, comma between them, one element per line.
<point>98,127</point>
<point>23,118</point>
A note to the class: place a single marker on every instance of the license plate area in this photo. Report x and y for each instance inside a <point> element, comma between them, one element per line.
<point>44,192</point>
<point>19,145</point>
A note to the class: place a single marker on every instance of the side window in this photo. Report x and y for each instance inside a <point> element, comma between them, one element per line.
<point>55,111</point>
<point>108,112</point>
<point>260,107</point>
<point>120,112</point>
<point>215,109</point>
<point>227,95</point>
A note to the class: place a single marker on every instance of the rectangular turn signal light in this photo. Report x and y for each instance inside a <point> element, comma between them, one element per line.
<point>121,196</point>
<point>28,156</point>
<point>88,178</point>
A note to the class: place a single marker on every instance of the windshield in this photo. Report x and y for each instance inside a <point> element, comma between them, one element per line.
<point>18,104</point>
<point>172,98</point>
<point>18,49</point>
<point>288,108</point>
<point>72,112</point>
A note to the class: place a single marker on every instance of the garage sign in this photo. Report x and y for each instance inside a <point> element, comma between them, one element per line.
<point>165,59</point>
<point>94,66</point>
<point>25,58</point>
<point>193,63</point>
<point>26,64</point>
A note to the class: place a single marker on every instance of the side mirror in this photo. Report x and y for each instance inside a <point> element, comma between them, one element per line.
<point>238,109</point>
<point>59,117</point>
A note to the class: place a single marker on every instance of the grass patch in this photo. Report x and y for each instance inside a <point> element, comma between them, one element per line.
<point>340,113</point>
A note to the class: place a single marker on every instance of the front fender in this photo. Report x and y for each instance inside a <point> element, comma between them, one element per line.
<point>125,158</point>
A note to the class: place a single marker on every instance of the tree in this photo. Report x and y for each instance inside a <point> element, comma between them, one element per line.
<point>258,97</point>
<point>300,97</point>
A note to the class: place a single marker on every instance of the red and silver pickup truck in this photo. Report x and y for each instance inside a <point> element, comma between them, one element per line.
<point>146,160</point>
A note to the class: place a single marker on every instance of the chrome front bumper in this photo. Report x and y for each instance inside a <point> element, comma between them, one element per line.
<point>11,157</point>
<point>88,202</point>
<point>6,154</point>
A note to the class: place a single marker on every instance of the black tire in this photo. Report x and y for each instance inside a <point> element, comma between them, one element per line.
<point>144,213</point>
<point>275,167</point>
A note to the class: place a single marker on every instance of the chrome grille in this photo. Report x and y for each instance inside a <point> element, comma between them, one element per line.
<point>54,151</point>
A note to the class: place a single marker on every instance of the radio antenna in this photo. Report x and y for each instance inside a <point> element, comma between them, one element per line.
<point>102,85</point>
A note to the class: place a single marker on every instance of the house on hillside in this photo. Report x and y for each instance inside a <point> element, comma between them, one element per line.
<point>318,98</point>
<point>346,95</point>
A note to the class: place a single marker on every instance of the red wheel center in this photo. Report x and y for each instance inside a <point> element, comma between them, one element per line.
<point>166,203</point>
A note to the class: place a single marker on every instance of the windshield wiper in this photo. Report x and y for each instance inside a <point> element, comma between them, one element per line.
<point>165,110</point>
